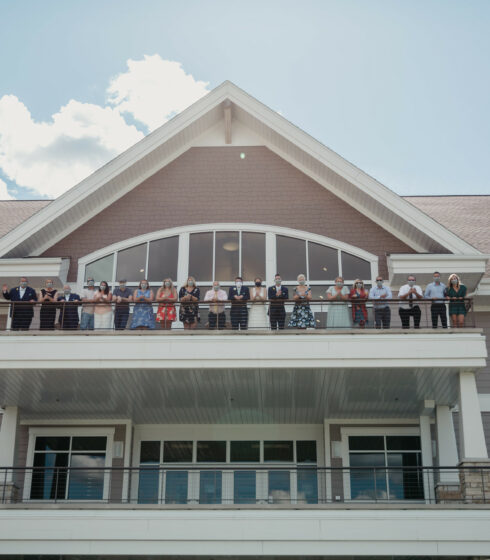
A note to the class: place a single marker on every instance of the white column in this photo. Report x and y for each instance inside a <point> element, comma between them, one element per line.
<point>472,436</point>
<point>426,448</point>
<point>328,460</point>
<point>446,445</point>
<point>8,432</point>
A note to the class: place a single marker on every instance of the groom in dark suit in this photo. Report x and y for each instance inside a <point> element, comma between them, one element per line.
<point>21,314</point>
<point>277,294</point>
<point>239,295</point>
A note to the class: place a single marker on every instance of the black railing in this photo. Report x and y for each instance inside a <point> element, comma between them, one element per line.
<point>252,316</point>
<point>237,486</point>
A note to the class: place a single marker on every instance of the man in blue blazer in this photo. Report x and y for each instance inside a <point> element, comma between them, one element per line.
<point>21,314</point>
<point>239,295</point>
<point>68,311</point>
<point>277,294</point>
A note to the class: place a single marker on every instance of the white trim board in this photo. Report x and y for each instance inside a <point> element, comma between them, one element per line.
<point>388,209</point>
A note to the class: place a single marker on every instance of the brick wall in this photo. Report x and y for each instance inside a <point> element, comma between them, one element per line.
<point>207,185</point>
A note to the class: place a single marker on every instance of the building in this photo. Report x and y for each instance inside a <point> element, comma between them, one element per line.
<point>325,442</point>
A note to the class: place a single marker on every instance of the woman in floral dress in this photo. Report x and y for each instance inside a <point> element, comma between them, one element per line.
<point>166,297</point>
<point>189,296</point>
<point>302,316</point>
<point>143,317</point>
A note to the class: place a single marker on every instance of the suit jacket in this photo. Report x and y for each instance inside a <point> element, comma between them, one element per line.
<point>272,294</point>
<point>244,291</point>
<point>71,297</point>
<point>29,294</point>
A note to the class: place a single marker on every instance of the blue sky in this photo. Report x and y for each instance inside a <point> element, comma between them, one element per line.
<point>399,88</point>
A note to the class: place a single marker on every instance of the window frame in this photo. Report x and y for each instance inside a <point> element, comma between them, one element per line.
<point>346,432</point>
<point>107,432</point>
<point>270,232</point>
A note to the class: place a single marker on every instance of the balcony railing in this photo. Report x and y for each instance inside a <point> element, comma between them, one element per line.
<point>317,314</point>
<point>244,485</point>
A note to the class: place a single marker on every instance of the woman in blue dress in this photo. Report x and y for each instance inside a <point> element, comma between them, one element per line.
<point>302,316</point>
<point>143,317</point>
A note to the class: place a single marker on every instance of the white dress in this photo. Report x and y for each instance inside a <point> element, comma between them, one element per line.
<point>257,317</point>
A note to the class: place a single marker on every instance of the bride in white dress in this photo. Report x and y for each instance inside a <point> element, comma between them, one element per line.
<point>257,318</point>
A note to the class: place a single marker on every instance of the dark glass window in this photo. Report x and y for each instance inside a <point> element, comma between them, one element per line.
<point>101,269</point>
<point>176,487</point>
<point>131,263</point>
<point>201,256</point>
<point>244,451</point>
<point>279,487</point>
<point>368,483</point>
<point>210,487</point>
<point>307,486</point>
<point>244,487</point>
<point>211,451</point>
<point>49,479</point>
<point>306,451</point>
<point>253,255</point>
<point>403,443</point>
<point>177,452</point>
<point>366,443</point>
<point>162,259</point>
<point>52,443</point>
<point>278,451</point>
<point>89,444</point>
<point>87,479</point>
<point>405,483</point>
<point>354,267</point>
<point>323,262</point>
<point>226,255</point>
<point>291,257</point>
<point>150,452</point>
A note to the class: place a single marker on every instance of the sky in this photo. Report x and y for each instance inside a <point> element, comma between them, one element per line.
<point>400,88</point>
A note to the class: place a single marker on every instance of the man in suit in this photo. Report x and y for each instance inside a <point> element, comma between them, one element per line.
<point>239,295</point>
<point>68,312</point>
<point>277,294</point>
<point>23,312</point>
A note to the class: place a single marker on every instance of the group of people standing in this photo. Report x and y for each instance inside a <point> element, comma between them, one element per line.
<point>99,303</point>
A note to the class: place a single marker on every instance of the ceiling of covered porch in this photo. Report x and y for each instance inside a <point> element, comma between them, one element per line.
<point>227,396</point>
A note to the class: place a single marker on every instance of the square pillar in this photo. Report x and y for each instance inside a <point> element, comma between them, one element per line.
<point>8,434</point>
<point>426,448</point>
<point>447,488</point>
<point>471,434</point>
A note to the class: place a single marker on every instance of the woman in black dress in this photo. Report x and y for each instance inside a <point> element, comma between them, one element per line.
<point>47,297</point>
<point>189,295</point>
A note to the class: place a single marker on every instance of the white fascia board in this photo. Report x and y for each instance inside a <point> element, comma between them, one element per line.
<point>98,351</point>
<point>39,267</point>
<point>220,532</point>
<point>401,263</point>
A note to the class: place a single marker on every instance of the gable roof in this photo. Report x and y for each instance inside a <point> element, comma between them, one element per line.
<point>15,212</point>
<point>398,216</point>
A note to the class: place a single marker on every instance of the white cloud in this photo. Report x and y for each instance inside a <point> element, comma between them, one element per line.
<point>4,194</point>
<point>153,90</point>
<point>52,156</point>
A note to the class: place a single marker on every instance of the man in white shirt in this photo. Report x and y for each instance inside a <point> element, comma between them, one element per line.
<point>22,313</point>
<point>410,293</point>
<point>216,310</point>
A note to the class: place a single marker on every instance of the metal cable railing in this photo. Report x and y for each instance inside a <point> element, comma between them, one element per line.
<point>262,485</point>
<point>268,315</point>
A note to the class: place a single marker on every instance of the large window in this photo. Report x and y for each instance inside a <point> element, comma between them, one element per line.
<point>54,456</point>
<point>242,472</point>
<point>223,254</point>
<point>385,468</point>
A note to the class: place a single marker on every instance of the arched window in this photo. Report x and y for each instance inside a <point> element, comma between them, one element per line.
<point>222,251</point>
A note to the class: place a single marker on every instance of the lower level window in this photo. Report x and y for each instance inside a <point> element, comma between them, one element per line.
<point>68,468</point>
<point>385,468</point>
